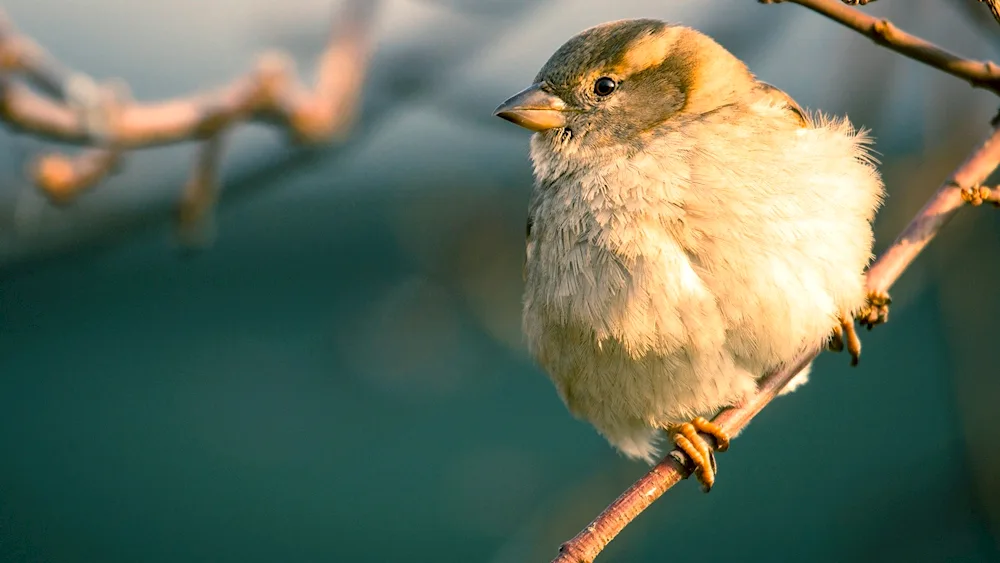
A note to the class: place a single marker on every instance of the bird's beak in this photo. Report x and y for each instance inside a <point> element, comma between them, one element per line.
<point>534,109</point>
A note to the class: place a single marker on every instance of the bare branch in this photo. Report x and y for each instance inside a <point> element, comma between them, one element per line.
<point>981,74</point>
<point>271,93</point>
<point>194,211</point>
<point>938,211</point>
<point>64,177</point>
<point>22,55</point>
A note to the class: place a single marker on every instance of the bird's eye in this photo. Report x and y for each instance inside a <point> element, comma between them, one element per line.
<point>604,86</point>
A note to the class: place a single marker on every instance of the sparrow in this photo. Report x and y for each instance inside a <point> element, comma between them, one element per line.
<point>690,229</point>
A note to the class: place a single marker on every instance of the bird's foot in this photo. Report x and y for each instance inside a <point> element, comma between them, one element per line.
<point>698,450</point>
<point>845,336</point>
<point>978,195</point>
<point>875,312</point>
<point>836,343</point>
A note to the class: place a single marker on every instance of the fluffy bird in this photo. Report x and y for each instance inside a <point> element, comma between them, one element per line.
<point>690,229</point>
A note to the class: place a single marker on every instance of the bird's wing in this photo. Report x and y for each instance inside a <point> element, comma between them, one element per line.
<point>777,98</point>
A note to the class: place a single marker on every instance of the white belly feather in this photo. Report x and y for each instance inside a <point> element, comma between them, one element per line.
<point>659,288</point>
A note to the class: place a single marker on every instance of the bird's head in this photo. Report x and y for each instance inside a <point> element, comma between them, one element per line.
<point>611,83</point>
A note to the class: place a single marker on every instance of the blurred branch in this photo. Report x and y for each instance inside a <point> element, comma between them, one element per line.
<point>21,54</point>
<point>884,272</point>
<point>63,176</point>
<point>194,220</point>
<point>40,96</point>
<point>981,74</point>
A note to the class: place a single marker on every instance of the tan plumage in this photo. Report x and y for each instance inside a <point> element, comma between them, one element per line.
<point>688,232</point>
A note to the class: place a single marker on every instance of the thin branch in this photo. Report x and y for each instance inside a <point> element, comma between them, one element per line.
<point>884,272</point>
<point>64,177</point>
<point>194,211</point>
<point>22,55</point>
<point>938,211</point>
<point>271,93</point>
<point>981,74</point>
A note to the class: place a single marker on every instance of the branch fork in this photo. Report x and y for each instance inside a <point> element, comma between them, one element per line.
<point>41,97</point>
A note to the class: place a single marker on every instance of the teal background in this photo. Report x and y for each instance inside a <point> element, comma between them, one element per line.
<point>340,375</point>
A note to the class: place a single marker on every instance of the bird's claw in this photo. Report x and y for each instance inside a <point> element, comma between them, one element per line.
<point>978,194</point>
<point>845,336</point>
<point>850,338</point>
<point>875,312</point>
<point>698,450</point>
<point>836,343</point>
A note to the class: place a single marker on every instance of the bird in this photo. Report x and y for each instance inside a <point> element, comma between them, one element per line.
<point>690,229</point>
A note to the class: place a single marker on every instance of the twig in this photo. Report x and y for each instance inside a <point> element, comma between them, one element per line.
<point>981,74</point>
<point>22,55</point>
<point>271,93</point>
<point>938,211</point>
<point>64,177</point>
<point>884,272</point>
<point>194,211</point>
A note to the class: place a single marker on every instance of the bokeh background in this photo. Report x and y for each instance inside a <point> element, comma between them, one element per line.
<point>340,375</point>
